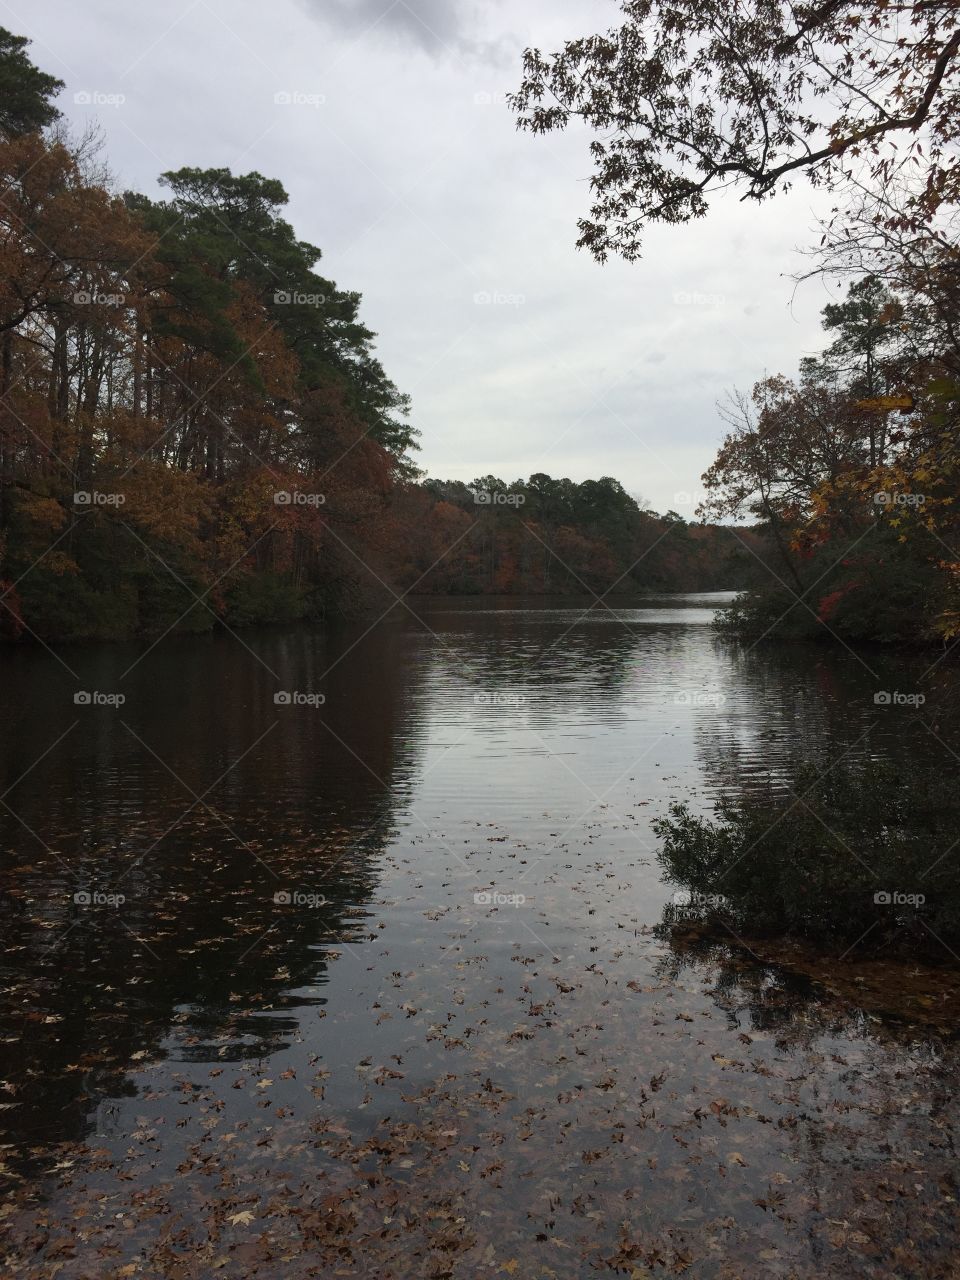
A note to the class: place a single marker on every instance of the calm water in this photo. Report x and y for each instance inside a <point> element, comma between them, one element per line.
<point>373,986</point>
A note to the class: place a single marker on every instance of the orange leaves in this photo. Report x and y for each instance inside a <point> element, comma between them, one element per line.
<point>166,504</point>
<point>153,369</point>
<point>261,338</point>
<point>67,242</point>
<point>45,516</point>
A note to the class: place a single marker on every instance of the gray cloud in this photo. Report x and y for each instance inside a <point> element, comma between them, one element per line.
<point>438,27</point>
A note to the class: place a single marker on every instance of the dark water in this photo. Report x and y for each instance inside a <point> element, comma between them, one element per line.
<point>373,987</point>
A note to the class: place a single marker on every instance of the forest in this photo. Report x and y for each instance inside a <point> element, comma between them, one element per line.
<point>196,430</point>
<point>554,537</point>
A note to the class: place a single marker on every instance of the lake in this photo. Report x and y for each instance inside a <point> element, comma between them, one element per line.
<point>370,981</point>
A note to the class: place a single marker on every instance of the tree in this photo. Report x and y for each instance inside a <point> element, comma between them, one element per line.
<point>914,261</point>
<point>865,348</point>
<point>219,229</point>
<point>65,304</point>
<point>25,90</point>
<point>866,355</point>
<point>688,96</point>
<point>860,503</point>
<point>785,441</point>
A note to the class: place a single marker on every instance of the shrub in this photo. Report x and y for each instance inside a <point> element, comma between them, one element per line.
<point>811,863</point>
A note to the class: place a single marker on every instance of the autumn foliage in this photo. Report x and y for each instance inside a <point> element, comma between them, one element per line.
<point>193,426</point>
<point>854,470</point>
<point>547,536</point>
<point>194,430</point>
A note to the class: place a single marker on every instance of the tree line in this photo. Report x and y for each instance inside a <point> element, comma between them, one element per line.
<point>546,536</point>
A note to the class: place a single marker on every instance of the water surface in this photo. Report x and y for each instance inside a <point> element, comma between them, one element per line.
<point>373,984</point>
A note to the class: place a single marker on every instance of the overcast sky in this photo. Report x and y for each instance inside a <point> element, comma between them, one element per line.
<point>402,162</point>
